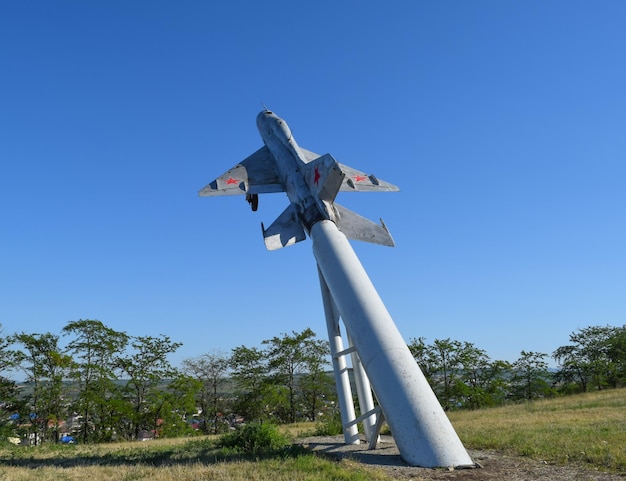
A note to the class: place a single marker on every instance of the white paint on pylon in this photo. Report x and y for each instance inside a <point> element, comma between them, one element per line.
<point>420,427</point>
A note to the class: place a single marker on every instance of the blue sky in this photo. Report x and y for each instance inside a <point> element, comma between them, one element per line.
<point>503,123</point>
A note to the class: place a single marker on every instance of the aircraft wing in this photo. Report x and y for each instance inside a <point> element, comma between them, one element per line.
<point>256,174</point>
<point>355,180</point>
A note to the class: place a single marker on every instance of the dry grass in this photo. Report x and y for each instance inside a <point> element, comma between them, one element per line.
<point>587,429</point>
<point>300,430</point>
<point>171,459</point>
<point>227,471</point>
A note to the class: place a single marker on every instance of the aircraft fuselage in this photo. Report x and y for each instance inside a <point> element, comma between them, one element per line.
<point>290,159</point>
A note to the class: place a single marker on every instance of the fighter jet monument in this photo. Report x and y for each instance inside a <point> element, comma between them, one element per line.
<point>380,357</point>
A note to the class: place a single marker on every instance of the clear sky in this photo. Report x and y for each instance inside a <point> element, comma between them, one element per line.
<point>503,124</point>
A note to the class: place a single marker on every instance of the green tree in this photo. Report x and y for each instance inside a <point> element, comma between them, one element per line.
<point>461,374</point>
<point>46,366</point>
<point>317,387</point>
<point>178,402</point>
<point>94,349</point>
<point>250,375</point>
<point>589,360</point>
<point>291,357</point>
<point>617,355</point>
<point>475,388</point>
<point>211,370</point>
<point>497,382</point>
<point>531,378</point>
<point>443,359</point>
<point>145,368</point>
<point>9,360</point>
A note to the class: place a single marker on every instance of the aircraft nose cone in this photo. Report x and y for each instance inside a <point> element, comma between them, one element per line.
<point>263,115</point>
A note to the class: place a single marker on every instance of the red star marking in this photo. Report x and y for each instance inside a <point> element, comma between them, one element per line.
<point>317,176</point>
<point>359,178</point>
<point>231,181</point>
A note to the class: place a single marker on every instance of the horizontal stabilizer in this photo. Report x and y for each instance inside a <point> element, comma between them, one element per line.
<point>356,227</point>
<point>284,231</point>
<point>255,175</point>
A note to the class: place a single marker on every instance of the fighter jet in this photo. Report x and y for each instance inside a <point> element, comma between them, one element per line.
<point>311,182</point>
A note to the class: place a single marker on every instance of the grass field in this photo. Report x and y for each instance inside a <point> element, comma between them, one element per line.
<point>169,459</point>
<point>585,429</point>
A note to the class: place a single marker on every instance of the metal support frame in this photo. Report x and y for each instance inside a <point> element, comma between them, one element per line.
<point>364,393</point>
<point>372,415</point>
<point>340,367</point>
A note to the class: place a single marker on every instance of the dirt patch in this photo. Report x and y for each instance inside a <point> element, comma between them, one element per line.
<point>495,466</point>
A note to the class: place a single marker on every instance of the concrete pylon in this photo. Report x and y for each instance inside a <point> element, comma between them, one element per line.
<point>424,435</point>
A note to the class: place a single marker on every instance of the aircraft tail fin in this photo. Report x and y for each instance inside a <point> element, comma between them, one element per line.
<point>359,228</point>
<point>354,180</point>
<point>324,176</point>
<point>286,230</point>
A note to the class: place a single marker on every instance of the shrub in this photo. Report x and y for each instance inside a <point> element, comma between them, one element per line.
<point>255,438</point>
<point>331,426</point>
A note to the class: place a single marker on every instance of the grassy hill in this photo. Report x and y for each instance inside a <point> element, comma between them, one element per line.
<point>585,428</point>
